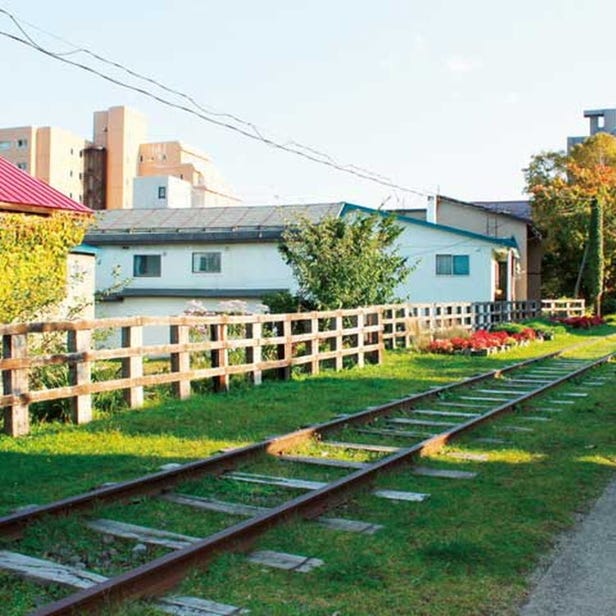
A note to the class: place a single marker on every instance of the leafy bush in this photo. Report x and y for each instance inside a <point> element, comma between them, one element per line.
<point>33,252</point>
<point>284,302</point>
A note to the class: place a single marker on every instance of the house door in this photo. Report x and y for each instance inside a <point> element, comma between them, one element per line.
<point>502,281</point>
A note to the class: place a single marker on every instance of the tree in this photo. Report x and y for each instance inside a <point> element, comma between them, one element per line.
<point>345,262</point>
<point>574,206</point>
<point>33,251</point>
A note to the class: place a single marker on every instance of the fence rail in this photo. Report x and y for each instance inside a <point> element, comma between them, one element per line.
<point>213,348</point>
<point>563,307</point>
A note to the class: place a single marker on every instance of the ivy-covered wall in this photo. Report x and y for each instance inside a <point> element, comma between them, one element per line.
<point>33,261</point>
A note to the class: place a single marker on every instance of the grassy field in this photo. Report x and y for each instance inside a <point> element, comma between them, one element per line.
<point>467,550</point>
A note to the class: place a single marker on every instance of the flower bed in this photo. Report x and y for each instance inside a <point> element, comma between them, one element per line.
<point>585,322</point>
<point>482,342</point>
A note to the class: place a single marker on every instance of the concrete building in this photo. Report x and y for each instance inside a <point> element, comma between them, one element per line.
<point>120,131</point>
<point>161,191</point>
<point>600,120</point>
<point>187,163</point>
<point>51,154</point>
<point>101,173</point>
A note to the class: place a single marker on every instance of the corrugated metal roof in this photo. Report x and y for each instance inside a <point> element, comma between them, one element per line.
<point>20,188</point>
<point>518,209</point>
<point>208,218</point>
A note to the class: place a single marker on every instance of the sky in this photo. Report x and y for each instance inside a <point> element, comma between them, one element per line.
<point>437,96</point>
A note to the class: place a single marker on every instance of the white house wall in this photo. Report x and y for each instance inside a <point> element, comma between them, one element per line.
<point>484,221</point>
<point>421,245</point>
<point>243,266</point>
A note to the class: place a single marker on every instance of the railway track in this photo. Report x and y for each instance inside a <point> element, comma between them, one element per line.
<point>394,434</point>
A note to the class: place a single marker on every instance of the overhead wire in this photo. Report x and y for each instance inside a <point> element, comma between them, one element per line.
<point>199,110</point>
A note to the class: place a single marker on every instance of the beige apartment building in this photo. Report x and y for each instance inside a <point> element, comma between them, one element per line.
<point>100,173</point>
<point>189,164</point>
<point>120,131</point>
<point>51,154</point>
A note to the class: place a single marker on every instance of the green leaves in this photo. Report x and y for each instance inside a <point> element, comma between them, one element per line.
<point>33,252</point>
<point>345,262</point>
<point>566,192</point>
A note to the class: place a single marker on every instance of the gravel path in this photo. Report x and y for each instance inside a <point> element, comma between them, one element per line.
<point>581,579</point>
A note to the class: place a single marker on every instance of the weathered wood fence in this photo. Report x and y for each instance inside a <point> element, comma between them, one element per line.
<point>563,307</point>
<point>213,348</point>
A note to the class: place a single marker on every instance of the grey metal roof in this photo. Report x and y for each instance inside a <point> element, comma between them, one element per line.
<point>518,209</point>
<point>208,219</point>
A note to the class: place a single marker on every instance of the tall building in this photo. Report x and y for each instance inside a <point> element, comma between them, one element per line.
<point>120,131</point>
<point>601,121</point>
<point>51,154</point>
<point>101,173</point>
<point>189,164</point>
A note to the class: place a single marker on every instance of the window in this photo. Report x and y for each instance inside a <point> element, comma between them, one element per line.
<point>5,145</point>
<point>206,262</point>
<point>162,192</point>
<point>22,143</point>
<point>452,265</point>
<point>146,265</point>
<point>22,166</point>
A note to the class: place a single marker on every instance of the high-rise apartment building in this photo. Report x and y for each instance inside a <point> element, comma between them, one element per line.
<point>100,173</point>
<point>51,154</point>
<point>601,121</point>
<point>189,164</point>
<point>120,131</point>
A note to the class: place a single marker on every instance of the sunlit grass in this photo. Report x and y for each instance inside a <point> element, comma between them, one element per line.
<point>464,551</point>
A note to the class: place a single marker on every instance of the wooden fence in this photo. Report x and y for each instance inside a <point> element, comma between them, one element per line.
<point>563,307</point>
<point>210,349</point>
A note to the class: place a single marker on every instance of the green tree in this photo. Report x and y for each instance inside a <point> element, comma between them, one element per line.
<point>33,251</point>
<point>596,264</point>
<point>574,206</point>
<point>345,262</point>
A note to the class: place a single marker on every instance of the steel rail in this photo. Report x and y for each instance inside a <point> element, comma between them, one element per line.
<point>164,572</point>
<point>11,526</point>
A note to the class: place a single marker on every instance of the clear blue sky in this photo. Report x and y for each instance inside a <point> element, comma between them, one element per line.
<point>434,94</point>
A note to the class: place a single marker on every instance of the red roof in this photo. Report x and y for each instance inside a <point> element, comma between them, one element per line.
<point>19,188</point>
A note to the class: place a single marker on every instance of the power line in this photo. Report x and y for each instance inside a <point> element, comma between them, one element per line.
<point>246,129</point>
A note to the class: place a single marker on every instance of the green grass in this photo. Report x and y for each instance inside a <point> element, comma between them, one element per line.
<point>467,550</point>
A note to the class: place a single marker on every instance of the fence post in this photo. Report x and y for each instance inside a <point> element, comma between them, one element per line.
<point>132,366</point>
<point>220,357</point>
<point>80,373</point>
<point>407,326</point>
<point>338,339</point>
<point>16,416</point>
<point>432,310</point>
<point>379,335</point>
<point>254,353</point>
<point>314,344</point>
<point>285,349</point>
<point>180,360</point>
<point>360,339</point>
